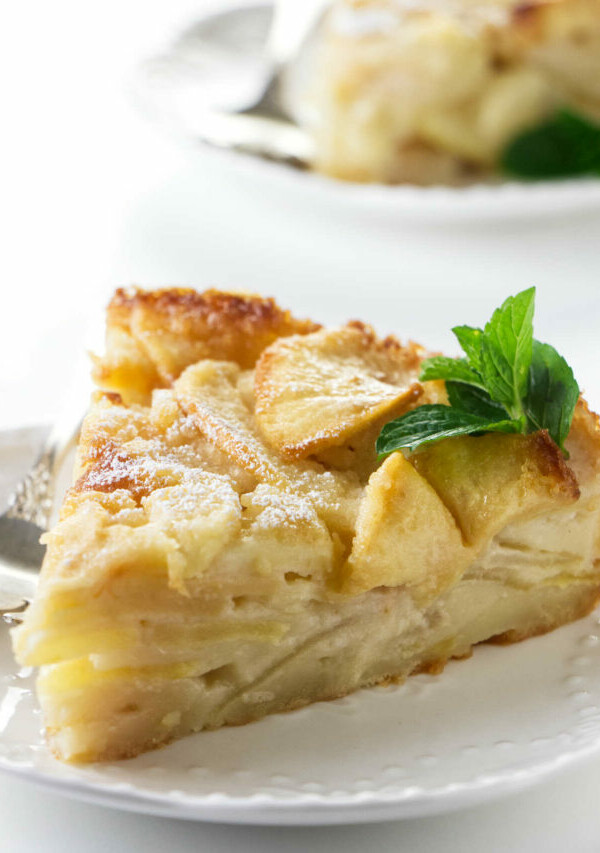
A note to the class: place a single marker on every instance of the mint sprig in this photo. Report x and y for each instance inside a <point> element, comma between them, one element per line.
<point>449,369</point>
<point>507,382</point>
<point>553,393</point>
<point>566,145</point>
<point>432,423</point>
<point>506,347</point>
<point>471,399</point>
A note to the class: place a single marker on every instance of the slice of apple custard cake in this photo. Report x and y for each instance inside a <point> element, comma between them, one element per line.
<point>234,545</point>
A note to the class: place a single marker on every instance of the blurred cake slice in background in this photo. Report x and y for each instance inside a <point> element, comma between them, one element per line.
<point>429,92</point>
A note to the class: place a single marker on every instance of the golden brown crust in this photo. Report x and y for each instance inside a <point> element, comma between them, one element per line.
<point>411,354</point>
<point>583,444</point>
<point>112,397</point>
<point>193,313</point>
<point>103,464</point>
<point>152,336</point>
<point>111,467</point>
<point>584,415</point>
<point>552,464</point>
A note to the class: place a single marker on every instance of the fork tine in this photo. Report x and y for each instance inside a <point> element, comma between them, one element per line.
<point>8,616</point>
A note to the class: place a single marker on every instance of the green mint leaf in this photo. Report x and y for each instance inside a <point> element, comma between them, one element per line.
<point>565,145</point>
<point>508,382</point>
<point>449,369</point>
<point>470,340</point>
<point>474,400</point>
<point>552,394</point>
<point>506,351</point>
<point>426,424</point>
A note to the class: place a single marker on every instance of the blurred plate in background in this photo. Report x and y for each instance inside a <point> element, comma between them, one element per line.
<point>217,65</point>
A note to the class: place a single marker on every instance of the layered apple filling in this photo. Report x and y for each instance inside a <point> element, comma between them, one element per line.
<point>233,547</point>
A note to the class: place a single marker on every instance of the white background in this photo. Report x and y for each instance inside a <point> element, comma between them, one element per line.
<point>92,196</point>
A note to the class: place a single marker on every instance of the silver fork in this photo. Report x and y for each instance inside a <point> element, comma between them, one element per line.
<point>262,127</point>
<point>27,517</point>
<point>291,25</point>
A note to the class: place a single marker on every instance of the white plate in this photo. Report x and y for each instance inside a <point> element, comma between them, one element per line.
<point>217,61</point>
<point>498,722</point>
<point>501,721</point>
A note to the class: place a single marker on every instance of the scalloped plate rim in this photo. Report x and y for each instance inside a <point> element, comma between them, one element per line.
<point>263,810</point>
<point>311,808</point>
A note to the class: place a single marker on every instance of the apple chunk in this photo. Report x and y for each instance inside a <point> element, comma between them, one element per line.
<point>316,390</point>
<point>486,481</point>
<point>404,535</point>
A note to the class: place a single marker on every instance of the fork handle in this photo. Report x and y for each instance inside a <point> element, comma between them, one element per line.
<point>32,499</point>
<point>291,24</point>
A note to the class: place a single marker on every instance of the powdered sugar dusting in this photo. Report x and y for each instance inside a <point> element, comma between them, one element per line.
<point>279,509</point>
<point>115,467</point>
<point>185,463</point>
